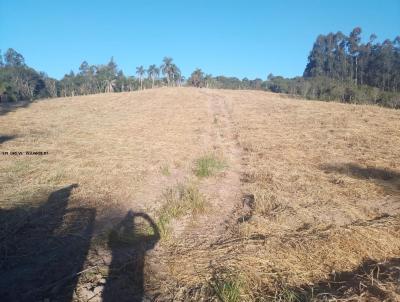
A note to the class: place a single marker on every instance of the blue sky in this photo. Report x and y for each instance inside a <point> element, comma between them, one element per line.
<point>235,38</point>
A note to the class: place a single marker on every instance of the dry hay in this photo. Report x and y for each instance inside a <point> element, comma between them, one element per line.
<point>324,177</point>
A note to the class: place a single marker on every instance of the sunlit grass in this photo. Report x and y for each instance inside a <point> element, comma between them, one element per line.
<point>208,165</point>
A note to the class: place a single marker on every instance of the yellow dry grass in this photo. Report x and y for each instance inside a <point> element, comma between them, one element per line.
<point>326,182</point>
<point>112,145</point>
<point>325,179</point>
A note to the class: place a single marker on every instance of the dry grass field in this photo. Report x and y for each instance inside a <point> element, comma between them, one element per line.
<point>184,194</point>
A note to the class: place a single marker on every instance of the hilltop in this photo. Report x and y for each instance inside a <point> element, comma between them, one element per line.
<point>187,193</point>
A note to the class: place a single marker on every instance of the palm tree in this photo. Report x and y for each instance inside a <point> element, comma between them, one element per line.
<point>176,74</point>
<point>152,72</point>
<point>140,72</point>
<point>166,68</point>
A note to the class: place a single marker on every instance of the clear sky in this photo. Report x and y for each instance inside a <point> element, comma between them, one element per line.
<point>234,38</point>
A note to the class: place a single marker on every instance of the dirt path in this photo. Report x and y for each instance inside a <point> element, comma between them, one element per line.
<point>223,191</point>
<point>227,187</point>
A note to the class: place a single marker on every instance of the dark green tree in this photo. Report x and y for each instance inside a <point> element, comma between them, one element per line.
<point>13,58</point>
<point>197,78</point>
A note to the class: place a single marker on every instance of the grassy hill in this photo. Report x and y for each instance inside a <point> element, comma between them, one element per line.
<point>189,194</point>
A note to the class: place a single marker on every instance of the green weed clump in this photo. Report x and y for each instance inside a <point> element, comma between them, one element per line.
<point>165,170</point>
<point>179,200</point>
<point>208,165</point>
<point>228,287</point>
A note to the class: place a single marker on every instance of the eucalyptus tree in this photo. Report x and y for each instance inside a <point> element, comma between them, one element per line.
<point>132,83</point>
<point>140,71</point>
<point>68,87</point>
<point>354,51</point>
<point>110,85</point>
<point>13,59</point>
<point>85,72</point>
<point>106,76</point>
<point>121,82</point>
<point>51,85</point>
<point>347,59</point>
<point>208,79</point>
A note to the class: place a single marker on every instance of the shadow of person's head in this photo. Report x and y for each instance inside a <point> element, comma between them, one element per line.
<point>137,229</point>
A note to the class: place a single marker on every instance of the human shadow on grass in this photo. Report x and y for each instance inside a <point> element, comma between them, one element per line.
<point>43,250</point>
<point>372,280</point>
<point>6,107</point>
<point>4,138</point>
<point>129,241</point>
<point>386,178</point>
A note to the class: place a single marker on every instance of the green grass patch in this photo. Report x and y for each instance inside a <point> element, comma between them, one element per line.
<point>179,201</point>
<point>208,165</point>
<point>165,170</point>
<point>288,295</point>
<point>228,287</point>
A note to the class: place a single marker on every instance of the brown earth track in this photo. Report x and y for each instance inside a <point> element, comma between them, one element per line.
<point>223,191</point>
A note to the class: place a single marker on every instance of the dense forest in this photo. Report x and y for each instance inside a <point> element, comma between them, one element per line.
<point>340,68</point>
<point>343,68</point>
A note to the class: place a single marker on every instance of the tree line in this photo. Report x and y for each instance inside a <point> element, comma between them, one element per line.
<point>347,59</point>
<point>20,82</point>
<point>340,68</point>
<point>108,78</point>
<point>199,79</point>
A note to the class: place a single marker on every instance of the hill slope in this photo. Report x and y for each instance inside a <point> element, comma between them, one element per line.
<point>186,193</point>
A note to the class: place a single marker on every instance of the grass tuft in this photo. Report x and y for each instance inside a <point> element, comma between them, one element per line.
<point>208,165</point>
<point>228,287</point>
<point>165,170</point>
<point>179,201</point>
<point>287,295</point>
